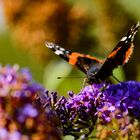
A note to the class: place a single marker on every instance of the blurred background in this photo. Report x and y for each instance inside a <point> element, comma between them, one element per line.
<point>90,27</point>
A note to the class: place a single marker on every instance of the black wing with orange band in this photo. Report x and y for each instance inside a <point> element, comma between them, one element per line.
<point>120,54</point>
<point>81,61</point>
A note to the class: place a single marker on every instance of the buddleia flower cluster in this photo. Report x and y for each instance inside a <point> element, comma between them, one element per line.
<point>101,111</point>
<point>20,119</point>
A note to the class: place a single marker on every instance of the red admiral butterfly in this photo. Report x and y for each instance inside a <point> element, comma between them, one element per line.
<point>97,70</point>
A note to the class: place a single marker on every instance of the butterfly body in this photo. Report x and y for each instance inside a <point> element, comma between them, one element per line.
<point>97,70</point>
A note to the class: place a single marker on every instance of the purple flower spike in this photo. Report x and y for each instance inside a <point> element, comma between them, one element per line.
<point>19,117</point>
<point>125,96</point>
<point>79,112</point>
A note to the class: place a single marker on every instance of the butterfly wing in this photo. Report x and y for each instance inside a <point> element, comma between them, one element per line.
<point>120,54</point>
<point>81,61</point>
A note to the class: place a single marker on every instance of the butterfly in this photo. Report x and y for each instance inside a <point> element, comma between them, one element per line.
<point>97,70</point>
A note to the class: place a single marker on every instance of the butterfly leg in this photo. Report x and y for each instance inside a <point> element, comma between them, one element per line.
<point>84,82</point>
<point>115,78</point>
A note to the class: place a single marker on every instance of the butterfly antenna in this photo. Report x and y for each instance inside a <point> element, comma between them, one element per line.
<point>69,77</point>
<point>115,78</point>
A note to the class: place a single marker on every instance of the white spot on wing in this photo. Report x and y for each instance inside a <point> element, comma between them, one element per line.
<point>130,36</point>
<point>57,47</point>
<point>67,51</point>
<point>62,49</point>
<point>124,38</point>
<point>58,52</point>
<point>49,45</point>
